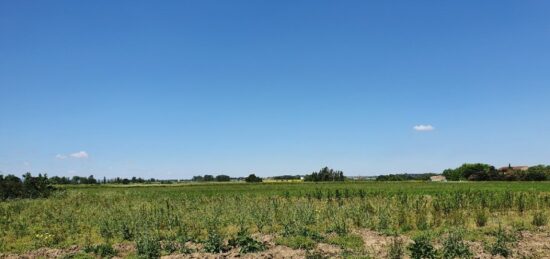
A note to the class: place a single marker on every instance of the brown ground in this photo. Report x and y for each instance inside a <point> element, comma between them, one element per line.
<point>530,245</point>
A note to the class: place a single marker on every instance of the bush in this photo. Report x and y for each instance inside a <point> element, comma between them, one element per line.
<point>253,179</point>
<point>148,246</point>
<point>214,242</point>
<point>481,218</point>
<point>454,246</point>
<point>246,243</point>
<point>501,245</point>
<point>422,248</point>
<point>12,187</point>
<point>539,219</point>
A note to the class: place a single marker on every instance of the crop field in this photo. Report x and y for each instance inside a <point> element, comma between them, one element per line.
<point>346,219</point>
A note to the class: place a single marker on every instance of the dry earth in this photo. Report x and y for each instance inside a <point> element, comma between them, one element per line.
<point>530,245</point>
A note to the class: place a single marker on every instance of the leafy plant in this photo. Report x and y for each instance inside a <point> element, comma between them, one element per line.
<point>246,243</point>
<point>148,246</point>
<point>481,218</point>
<point>422,248</point>
<point>501,246</point>
<point>214,242</point>
<point>539,219</point>
<point>103,250</point>
<point>455,247</point>
<point>396,248</point>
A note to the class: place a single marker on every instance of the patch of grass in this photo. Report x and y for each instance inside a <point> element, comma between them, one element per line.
<point>102,250</point>
<point>353,242</point>
<point>296,242</point>
<point>539,219</point>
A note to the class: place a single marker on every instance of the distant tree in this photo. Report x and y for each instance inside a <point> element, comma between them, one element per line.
<point>537,173</point>
<point>223,178</point>
<point>208,178</point>
<point>253,179</point>
<point>197,178</point>
<point>325,174</point>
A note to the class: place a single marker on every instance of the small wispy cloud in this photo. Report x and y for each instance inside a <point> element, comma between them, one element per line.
<point>80,154</point>
<point>60,156</point>
<point>422,127</point>
<point>76,155</point>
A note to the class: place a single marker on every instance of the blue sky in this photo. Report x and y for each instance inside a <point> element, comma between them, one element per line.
<point>173,89</point>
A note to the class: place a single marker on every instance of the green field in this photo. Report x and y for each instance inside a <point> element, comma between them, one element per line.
<point>200,218</point>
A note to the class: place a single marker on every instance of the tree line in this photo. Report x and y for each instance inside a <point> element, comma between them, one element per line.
<point>325,175</point>
<point>12,187</point>
<point>486,172</point>
<point>405,177</point>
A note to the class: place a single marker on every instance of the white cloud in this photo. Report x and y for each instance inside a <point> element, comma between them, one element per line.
<point>81,154</point>
<point>423,127</point>
<point>60,156</point>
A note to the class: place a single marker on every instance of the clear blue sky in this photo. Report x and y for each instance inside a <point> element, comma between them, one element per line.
<point>172,89</point>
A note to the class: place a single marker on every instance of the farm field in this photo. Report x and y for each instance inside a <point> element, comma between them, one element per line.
<point>346,219</point>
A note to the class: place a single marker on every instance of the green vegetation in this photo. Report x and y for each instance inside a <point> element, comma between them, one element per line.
<point>253,179</point>
<point>12,187</point>
<point>485,172</point>
<point>213,217</point>
<point>324,175</point>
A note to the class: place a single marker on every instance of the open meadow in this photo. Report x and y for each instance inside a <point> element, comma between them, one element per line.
<point>346,219</point>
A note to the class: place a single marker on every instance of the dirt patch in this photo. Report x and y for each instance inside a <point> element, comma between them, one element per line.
<point>377,244</point>
<point>44,253</point>
<point>531,244</point>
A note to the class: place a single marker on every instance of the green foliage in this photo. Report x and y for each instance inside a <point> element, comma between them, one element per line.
<point>246,243</point>
<point>396,249</point>
<point>501,246</point>
<point>304,214</point>
<point>481,218</point>
<point>253,179</point>
<point>422,248</point>
<point>324,175</point>
<point>353,242</point>
<point>214,242</point>
<point>12,187</point>
<point>102,250</point>
<point>539,219</point>
<point>455,247</point>
<point>405,177</point>
<point>148,246</point>
<point>296,242</point>
<point>476,172</point>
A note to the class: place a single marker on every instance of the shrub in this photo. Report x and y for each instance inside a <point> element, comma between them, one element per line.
<point>148,246</point>
<point>501,245</point>
<point>422,248</point>
<point>246,243</point>
<point>253,179</point>
<point>214,242</point>
<point>481,218</point>
<point>396,249</point>
<point>454,246</point>
<point>539,219</point>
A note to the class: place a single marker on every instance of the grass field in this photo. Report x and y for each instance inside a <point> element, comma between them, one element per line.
<point>352,219</point>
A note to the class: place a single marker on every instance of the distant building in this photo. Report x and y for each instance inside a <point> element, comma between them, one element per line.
<point>438,178</point>
<point>510,168</point>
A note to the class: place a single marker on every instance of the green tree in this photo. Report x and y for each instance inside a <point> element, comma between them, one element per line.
<point>253,179</point>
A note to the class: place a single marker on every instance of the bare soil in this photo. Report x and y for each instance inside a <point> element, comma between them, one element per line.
<point>531,244</point>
